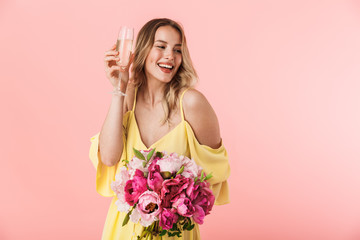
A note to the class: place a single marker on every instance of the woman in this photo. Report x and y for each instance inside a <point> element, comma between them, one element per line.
<point>160,110</point>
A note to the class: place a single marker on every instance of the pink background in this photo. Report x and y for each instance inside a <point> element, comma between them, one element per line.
<point>282,77</point>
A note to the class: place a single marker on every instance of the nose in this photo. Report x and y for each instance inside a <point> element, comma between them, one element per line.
<point>169,54</point>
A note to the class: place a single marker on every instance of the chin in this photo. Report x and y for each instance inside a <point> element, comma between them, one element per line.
<point>164,79</point>
<point>161,77</point>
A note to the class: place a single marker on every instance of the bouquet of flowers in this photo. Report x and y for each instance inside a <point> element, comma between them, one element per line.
<point>165,193</point>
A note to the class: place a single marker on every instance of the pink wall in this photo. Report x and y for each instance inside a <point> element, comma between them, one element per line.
<point>283,78</point>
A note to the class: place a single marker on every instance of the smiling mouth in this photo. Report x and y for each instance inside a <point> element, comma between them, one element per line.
<point>165,66</point>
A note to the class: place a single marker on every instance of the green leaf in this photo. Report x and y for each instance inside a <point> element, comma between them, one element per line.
<point>163,232</point>
<point>191,227</point>
<point>173,227</point>
<point>126,219</point>
<point>126,162</point>
<point>150,154</point>
<point>143,234</point>
<point>180,170</point>
<point>166,175</point>
<point>195,179</point>
<point>202,175</point>
<point>178,234</point>
<point>138,154</point>
<point>159,154</point>
<point>186,225</point>
<point>208,176</point>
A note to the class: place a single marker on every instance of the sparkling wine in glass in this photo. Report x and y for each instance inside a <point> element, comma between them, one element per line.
<point>124,45</point>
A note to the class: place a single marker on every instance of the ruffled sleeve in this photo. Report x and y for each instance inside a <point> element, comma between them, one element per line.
<point>105,174</point>
<point>213,161</point>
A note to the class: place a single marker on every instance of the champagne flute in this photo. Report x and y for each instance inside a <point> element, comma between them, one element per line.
<point>124,45</point>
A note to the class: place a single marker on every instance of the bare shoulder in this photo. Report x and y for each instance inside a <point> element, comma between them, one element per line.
<point>202,118</point>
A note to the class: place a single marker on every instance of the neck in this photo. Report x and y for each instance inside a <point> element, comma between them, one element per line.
<point>153,92</point>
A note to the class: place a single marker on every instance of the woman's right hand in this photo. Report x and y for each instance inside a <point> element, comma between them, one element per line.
<point>112,69</point>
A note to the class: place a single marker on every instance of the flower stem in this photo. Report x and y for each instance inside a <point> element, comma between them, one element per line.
<point>143,233</point>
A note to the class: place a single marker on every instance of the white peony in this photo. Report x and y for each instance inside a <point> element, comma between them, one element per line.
<point>135,216</point>
<point>134,164</point>
<point>170,163</point>
<point>191,169</point>
<point>121,178</point>
<point>122,205</point>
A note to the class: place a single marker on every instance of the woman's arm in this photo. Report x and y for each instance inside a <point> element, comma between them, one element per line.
<point>111,135</point>
<point>110,138</point>
<point>202,118</point>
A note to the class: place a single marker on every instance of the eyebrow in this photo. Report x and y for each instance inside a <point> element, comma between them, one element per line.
<point>167,43</point>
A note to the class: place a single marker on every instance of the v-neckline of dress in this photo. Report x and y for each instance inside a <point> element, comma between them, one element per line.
<point>157,141</point>
<point>183,121</point>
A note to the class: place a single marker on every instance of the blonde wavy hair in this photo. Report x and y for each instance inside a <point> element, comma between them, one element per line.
<point>186,75</point>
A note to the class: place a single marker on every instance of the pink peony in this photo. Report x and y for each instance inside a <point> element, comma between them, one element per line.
<point>155,179</point>
<point>135,187</point>
<point>198,215</point>
<point>148,207</point>
<point>171,190</point>
<point>184,207</point>
<point>167,218</point>
<point>204,198</point>
<point>192,190</point>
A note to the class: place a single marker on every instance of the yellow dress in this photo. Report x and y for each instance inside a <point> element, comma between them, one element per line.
<point>180,140</point>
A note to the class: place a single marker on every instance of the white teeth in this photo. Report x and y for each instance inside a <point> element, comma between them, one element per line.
<point>166,66</point>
